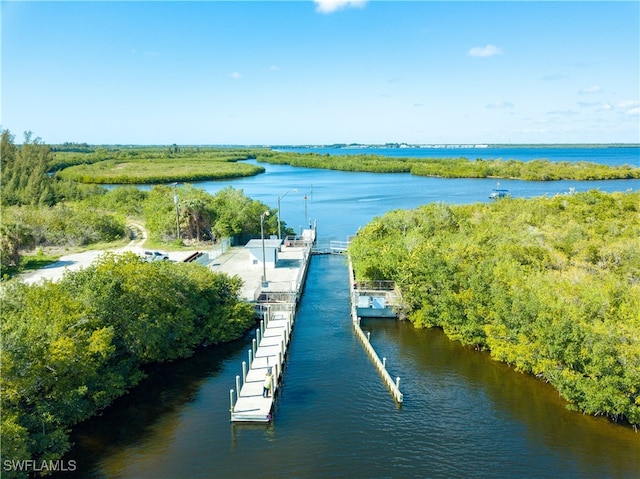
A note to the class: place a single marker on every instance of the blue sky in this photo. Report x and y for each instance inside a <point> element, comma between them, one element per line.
<point>305,72</point>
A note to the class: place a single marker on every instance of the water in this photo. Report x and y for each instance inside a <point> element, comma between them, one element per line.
<point>463,416</point>
<point>344,201</point>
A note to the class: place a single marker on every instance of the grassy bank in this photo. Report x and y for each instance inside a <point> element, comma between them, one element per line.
<point>158,170</point>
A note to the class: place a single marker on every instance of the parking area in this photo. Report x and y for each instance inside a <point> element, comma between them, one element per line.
<point>77,261</point>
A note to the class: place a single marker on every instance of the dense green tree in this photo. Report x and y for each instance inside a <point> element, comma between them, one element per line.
<point>536,170</point>
<point>24,172</point>
<point>67,352</point>
<point>549,285</point>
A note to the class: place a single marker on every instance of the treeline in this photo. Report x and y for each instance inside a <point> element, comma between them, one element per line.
<point>30,199</point>
<point>536,170</point>
<point>104,217</point>
<point>40,209</point>
<point>70,348</point>
<point>25,178</point>
<point>549,285</point>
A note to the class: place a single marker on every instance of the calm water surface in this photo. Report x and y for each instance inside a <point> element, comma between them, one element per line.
<point>463,416</point>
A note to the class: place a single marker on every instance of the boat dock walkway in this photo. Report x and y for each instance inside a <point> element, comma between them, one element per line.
<point>274,288</point>
<point>358,311</point>
<point>267,354</point>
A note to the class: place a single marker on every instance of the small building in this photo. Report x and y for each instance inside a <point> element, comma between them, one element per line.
<point>374,307</point>
<point>271,248</point>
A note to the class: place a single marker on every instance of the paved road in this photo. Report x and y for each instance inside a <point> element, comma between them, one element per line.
<point>77,261</point>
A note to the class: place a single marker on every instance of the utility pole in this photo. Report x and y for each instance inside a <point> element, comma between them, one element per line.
<point>175,200</point>
<point>264,259</point>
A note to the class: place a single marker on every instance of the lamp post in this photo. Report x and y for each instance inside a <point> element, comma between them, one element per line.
<point>175,200</point>
<point>264,263</point>
<point>279,198</point>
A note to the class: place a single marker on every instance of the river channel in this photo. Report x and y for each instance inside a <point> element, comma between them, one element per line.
<point>463,416</point>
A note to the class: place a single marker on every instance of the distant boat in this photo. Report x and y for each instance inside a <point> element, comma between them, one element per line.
<point>498,193</point>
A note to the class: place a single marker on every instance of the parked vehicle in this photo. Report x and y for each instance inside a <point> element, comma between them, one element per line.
<point>155,256</point>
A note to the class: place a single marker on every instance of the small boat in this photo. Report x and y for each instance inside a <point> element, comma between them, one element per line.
<point>498,193</point>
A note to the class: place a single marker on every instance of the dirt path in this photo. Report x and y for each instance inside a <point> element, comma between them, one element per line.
<point>76,261</point>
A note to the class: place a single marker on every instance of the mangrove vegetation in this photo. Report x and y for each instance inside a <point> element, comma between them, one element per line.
<point>153,165</point>
<point>70,348</point>
<point>536,170</point>
<point>41,209</point>
<point>548,285</point>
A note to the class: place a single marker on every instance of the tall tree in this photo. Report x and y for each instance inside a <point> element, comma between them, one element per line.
<point>24,172</point>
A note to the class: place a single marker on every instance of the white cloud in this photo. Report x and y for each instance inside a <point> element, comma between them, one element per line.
<point>627,104</point>
<point>330,6</point>
<point>274,68</point>
<point>486,51</point>
<point>591,89</point>
<point>499,104</point>
<point>634,111</point>
<point>235,75</point>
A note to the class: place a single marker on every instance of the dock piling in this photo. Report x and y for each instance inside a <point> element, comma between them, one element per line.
<point>238,384</point>
<point>381,366</point>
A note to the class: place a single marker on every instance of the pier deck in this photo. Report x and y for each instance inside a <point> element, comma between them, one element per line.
<point>269,354</point>
<point>275,301</point>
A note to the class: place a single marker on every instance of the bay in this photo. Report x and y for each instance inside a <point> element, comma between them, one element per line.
<point>341,202</point>
<point>464,415</point>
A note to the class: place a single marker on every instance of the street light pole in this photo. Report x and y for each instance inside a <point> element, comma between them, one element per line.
<point>264,259</point>
<point>175,200</point>
<point>279,198</point>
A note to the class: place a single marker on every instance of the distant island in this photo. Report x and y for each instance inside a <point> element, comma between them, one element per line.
<point>460,145</point>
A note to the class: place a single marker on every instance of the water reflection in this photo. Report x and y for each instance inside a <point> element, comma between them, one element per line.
<point>463,383</point>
